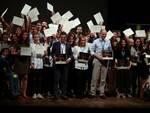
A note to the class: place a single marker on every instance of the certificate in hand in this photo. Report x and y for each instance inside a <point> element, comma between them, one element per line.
<point>123,64</point>
<point>61,59</point>
<point>40,50</point>
<point>134,61</point>
<point>107,55</point>
<point>25,51</point>
<point>83,57</point>
<point>147,59</point>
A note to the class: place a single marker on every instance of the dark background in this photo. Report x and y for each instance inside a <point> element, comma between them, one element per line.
<point>118,14</point>
<point>127,13</point>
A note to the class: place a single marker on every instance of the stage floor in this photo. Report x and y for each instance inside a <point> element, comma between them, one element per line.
<point>109,102</point>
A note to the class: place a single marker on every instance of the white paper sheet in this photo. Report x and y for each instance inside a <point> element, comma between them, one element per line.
<point>99,19</point>
<point>25,51</point>
<point>50,7</point>
<point>33,13</point>
<point>25,9</point>
<point>90,23</point>
<point>128,32</point>
<point>109,35</point>
<point>4,12</point>
<point>140,33</point>
<point>95,28</point>
<point>18,21</point>
<point>56,17</point>
<point>68,15</point>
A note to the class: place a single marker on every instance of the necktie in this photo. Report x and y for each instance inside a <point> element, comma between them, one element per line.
<point>103,44</point>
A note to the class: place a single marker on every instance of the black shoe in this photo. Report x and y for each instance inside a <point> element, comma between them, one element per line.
<point>102,96</point>
<point>91,96</point>
<point>64,97</point>
<point>79,97</point>
<point>55,98</point>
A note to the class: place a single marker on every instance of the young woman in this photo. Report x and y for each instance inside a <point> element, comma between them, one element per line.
<point>144,77</point>
<point>22,64</point>
<point>140,69</point>
<point>37,66</point>
<point>81,68</point>
<point>71,76</point>
<point>122,58</point>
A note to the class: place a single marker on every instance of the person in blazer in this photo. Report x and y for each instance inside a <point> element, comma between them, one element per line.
<point>61,70</point>
<point>123,79</point>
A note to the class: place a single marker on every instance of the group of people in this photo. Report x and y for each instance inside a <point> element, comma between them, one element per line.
<point>59,71</point>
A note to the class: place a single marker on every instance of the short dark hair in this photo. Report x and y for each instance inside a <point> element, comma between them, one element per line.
<point>63,33</point>
<point>1,52</point>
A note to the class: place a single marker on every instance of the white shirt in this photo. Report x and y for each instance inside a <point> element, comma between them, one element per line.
<point>76,51</point>
<point>37,61</point>
<point>63,48</point>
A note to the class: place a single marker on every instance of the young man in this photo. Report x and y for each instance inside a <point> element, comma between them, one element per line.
<point>61,70</point>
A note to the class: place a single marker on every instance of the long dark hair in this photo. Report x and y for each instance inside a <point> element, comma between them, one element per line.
<point>71,34</point>
<point>119,46</point>
<point>147,49</point>
<point>140,47</point>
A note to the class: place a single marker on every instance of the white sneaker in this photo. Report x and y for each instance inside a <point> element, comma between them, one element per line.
<point>40,96</point>
<point>48,94</point>
<point>123,96</point>
<point>34,96</point>
<point>129,95</point>
<point>118,95</point>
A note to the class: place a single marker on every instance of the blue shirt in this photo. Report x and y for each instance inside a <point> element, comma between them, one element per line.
<point>99,45</point>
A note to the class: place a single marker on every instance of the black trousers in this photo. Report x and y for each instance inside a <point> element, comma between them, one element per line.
<point>37,78</point>
<point>71,81</point>
<point>4,90</point>
<point>48,74</point>
<point>60,80</point>
<point>123,81</point>
<point>80,84</point>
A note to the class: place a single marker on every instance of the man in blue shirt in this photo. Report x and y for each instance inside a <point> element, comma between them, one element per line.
<point>100,66</point>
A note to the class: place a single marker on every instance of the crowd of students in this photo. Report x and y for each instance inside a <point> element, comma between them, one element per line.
<point>40,75</point>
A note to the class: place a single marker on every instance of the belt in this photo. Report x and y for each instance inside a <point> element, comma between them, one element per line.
<point>81,68</point>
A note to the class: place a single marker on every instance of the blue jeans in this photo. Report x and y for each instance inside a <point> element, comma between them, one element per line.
<point>13,84</point>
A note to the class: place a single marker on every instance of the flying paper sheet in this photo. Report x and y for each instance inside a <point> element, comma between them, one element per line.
<point>76,22</point>
<point>56,17</point>
<point>33,13</point>
<point>95,28</point>
<point>67,15</point>
<point>34,19</point>
<point>50,7</point>
<point>90,23</point>
<point>99,19</point>
<point>68,26</point>
<point>63,21</point>
<point>47,32</point>
<point>1,30</point>
<point>51,30</point>
<point>103,27</point>
<point>140,33</point>
<point>109,35</point>
<point>18,21</point>
<point>128,32</point>
<point>4,12</point>
<point>25,9</point>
